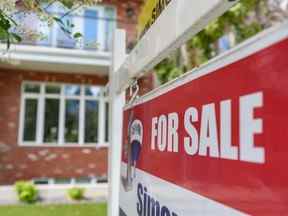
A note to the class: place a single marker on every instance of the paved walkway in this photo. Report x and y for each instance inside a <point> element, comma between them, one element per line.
<point>56,194</point>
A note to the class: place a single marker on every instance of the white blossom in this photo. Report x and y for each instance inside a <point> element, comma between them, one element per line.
<point>7,5</point>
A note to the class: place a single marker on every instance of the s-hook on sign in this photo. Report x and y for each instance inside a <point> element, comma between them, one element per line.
<point>211,143</point>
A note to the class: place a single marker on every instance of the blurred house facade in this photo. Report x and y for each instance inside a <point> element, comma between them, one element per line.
<point>53,107</point>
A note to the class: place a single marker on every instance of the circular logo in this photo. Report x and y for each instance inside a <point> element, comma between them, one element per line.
<point>136,138</point>
<point>136,131</point>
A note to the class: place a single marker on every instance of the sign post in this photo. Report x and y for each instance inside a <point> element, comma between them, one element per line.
<point>117,102</point>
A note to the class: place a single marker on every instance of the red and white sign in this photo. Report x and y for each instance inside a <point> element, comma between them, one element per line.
<point>216,145</point>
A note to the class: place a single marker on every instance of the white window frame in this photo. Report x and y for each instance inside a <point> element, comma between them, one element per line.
<point>41,111</point>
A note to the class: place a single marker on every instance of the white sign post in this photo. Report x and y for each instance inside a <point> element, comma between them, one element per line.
<point>116,102</point>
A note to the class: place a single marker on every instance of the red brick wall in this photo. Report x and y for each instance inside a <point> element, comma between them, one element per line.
<point>29,162</point>
<point>124,21</point>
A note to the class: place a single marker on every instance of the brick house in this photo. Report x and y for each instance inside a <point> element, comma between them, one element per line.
<point>53,107</point>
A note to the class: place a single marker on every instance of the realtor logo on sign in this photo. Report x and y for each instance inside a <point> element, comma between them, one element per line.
<point>132,151</point>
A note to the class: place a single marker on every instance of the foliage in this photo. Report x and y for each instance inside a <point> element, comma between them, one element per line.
<point>168,70</point>
<point>11,30</point>
<point>76,193</point>
<point>26,191</point>
<point>242,20</point>
<point>93,209</point>
<point>234,20</point>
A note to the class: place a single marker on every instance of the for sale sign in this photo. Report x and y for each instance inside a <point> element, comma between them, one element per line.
<point>149,14</point>
<point>215,144</point>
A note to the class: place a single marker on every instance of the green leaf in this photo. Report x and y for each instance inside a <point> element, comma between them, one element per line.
<point>59,21</point>
<point>4,23</point>
<point>3,33</point>
<point>67,3</point>
<point>16,37</point>
<point>65,30</point>
<point>77,35</point>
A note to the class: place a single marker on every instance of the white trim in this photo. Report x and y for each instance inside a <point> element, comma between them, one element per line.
<point>82,109</point>
<point>61,125</point>
<point>58,55</point>
<point>26,56</point>
<point>106,101</point>
<point>55,145</point>
<point>101,127</point>
<point>40,116</point>
<point>57,52</point>
<point>117,102</point>
<point>32,95</point>
<point>41,97</point>
<point>254,44</point>
<point>21,116</point>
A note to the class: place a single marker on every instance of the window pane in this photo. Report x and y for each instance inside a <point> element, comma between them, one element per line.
<point>102,179</point>
<point>110,25</point>
<point>71,121</point>
<point>91,121</point>
<point>106,93</point>
<point>62,181</point>
<point>106,122</point>
<point>90,28</point>
<point>30,119</point>
<point>83,180</point>
<point>72,90</point>
<point>31,88</point>
<point>52,89</point>
<point>40,181</point>
<point>45,27</point>
<point>93,91</point>
<point>51,120</point>
<point>64,39</point>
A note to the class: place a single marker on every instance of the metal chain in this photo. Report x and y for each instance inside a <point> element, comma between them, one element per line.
<point>133,92</point>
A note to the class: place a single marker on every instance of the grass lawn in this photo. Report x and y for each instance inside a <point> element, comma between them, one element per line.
<point>54,210</point>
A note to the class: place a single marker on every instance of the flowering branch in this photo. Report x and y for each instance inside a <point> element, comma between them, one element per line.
<point>10,28</point>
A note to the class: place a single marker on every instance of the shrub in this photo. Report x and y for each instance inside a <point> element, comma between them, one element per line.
<point>76,193</point>
<point>26,191</point>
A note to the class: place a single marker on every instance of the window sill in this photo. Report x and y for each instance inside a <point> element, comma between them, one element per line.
<point>30,145</point>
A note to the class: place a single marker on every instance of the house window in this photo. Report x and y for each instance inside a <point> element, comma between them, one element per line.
<point>110,25</point>
<point>91,28</point>
<point>95,23</point>
<point>98,25</point>
<point>63,114</point>
<point>64,39</point>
